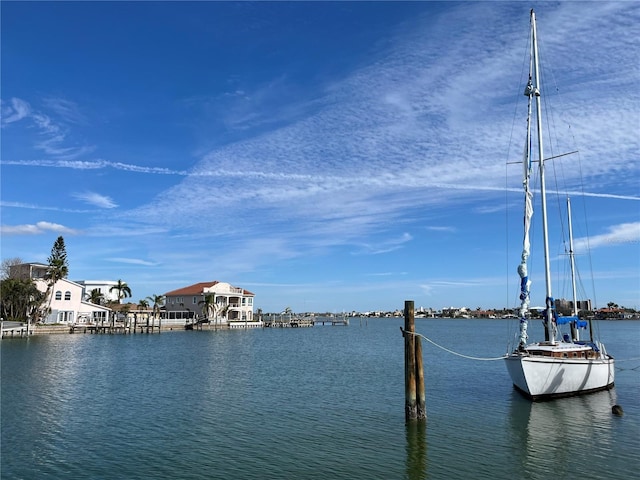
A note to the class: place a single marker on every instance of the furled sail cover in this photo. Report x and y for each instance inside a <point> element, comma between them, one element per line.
<point>525,283</point>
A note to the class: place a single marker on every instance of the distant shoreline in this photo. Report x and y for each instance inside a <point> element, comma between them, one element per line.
<point>66,329</point>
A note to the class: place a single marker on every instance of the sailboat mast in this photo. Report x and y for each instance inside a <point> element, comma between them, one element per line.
<point>572,260</point>
<point>543,192</point>
<point>574,310</point>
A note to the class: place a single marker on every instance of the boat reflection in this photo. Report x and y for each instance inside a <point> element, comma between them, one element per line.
<point>557,436</point>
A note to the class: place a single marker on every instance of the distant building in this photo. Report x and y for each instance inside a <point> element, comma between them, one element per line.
<point>567,305</point>
<point>28,271</point>
<point>232,303</point>
<point>104,286</point>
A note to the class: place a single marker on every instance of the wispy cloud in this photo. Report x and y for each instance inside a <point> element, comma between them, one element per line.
<point>36,229</point>
<point>617,234</point>
<point>15,111</point>
<point>66,110</point>
<point>31,206</point>
<point>94,165</point>
<point>385,246</point>
<point>387,274</point>
<point>52,132</point>
<point>132,261</point>
<point>392,136</point>
<point>96,199</point>
<point>441,229</point>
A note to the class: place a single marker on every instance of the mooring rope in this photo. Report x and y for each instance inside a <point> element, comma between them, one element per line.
<point>451,351</point>
<point>635,369</point>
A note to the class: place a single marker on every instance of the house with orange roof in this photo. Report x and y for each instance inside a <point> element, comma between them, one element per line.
<point>228,304</point>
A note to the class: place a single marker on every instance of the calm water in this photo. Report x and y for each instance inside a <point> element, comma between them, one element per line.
<point>310,403</point>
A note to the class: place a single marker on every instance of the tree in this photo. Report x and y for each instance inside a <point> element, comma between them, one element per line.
<point>143,304</point>
<point>58,265</point>
<point>19,299</point>
<point>208,305</point>
<point>57,270</point>
<point>158,301</point>
<point>6,263</point>
<point>123,290</point>
<point>96,297</point>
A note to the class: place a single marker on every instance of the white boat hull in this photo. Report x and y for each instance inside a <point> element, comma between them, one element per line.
<point>540,377</point>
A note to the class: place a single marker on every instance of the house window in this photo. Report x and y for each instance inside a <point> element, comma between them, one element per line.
<point>244,301</point>
<point>67,295</point>
<point>195,300</point>
<point>58,295</point>
<point>65,317</point>
<point>249,301</point>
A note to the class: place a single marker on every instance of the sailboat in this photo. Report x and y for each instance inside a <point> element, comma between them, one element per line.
<point>555,367</point>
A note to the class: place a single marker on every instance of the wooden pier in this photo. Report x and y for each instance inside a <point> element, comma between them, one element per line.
<point>195,324</point>
<point>294,322</point>
<point>333,321</point>
<point>10,329</point>
<point>94,328</point>
<point>147,325</point>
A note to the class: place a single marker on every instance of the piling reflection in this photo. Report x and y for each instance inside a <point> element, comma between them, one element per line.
<point>416,450</point>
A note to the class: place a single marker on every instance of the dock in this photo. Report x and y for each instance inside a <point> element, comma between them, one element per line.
<point>148,325</point>
<point>290,322</point>
<point>10,329</point>
<point>333,321</point>
<point>94,328</point>
<point>195,324</point>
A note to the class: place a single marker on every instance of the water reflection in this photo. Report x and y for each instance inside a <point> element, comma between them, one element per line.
<point>556,437</point>
<point>416,450</point>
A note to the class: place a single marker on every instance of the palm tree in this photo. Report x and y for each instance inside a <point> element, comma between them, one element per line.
<point>143,304</point>
<point>95,296</point>
<point>158,301</point>
<point>222,310</point>
<point>208,304</point>
<point>123,290</point>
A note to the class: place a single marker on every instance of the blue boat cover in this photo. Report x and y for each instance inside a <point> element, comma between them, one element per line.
<point>565,320</point>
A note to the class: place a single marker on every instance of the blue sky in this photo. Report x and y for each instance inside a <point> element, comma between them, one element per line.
<point>326,156</point>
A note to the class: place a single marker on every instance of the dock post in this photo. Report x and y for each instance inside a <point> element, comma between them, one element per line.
<point>420,395</point>
<point>415,403</point>
<point>410,407</point>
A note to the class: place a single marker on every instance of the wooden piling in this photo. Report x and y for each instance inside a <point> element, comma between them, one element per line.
<point>410,405</point>
<point>414,390</point>
<point>420,395</point>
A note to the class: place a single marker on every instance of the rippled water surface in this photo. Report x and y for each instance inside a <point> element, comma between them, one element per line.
<point>310,403</point>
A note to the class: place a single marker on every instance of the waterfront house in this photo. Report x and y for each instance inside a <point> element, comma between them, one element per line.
<point>103,286</point>
<point>232,304</point>
<point>65,303</point>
